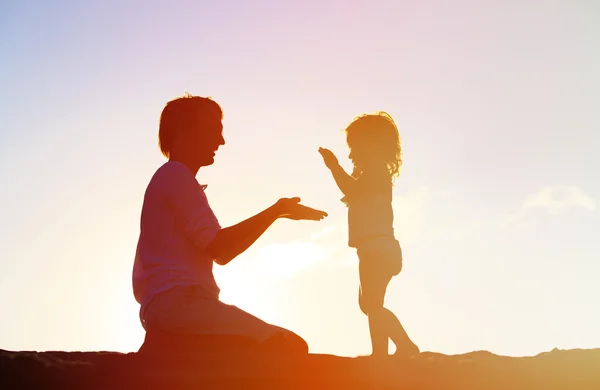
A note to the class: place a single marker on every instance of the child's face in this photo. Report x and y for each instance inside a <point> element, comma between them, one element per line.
<point>360,154</point>
<point>363,153</point>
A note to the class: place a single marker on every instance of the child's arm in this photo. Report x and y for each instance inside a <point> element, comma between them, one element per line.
<point>346,183</point>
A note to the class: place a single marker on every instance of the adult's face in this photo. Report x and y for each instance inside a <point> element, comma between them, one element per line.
<point>206,140</point>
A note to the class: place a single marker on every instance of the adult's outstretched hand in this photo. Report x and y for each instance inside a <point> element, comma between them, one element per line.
<point>292,209</point>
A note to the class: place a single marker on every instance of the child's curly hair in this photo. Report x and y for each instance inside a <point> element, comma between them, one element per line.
<point>379,131</point>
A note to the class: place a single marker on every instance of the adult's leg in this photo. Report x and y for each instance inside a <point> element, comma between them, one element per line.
<point>183,311</point>
<point>285,341</point>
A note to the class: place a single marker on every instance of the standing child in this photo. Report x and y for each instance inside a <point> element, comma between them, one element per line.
<point>375,151</point>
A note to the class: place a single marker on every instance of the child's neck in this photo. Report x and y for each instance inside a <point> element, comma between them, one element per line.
<point>374,166</point>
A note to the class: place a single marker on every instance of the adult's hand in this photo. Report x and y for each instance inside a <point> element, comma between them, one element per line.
<point>233,240</point>
<point>292,209</point>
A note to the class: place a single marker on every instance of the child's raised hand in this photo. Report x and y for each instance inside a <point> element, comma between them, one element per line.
<point>329,158</point>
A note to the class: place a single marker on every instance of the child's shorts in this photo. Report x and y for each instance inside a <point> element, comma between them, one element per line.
<point>384,252</point>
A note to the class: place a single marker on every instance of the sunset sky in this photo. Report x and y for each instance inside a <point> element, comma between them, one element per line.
<point>497,102</point>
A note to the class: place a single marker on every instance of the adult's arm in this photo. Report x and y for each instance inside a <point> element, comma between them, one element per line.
<point>188,203</point>
<point>231,241</point>
<point>193,212</point>
<point>234,240</point>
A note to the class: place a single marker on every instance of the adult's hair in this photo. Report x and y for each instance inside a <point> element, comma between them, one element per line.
<point>182,115</point>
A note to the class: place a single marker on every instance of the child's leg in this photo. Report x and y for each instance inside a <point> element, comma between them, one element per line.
<point>373,284</point>
<point>404,345</point>
<point>383,323</point>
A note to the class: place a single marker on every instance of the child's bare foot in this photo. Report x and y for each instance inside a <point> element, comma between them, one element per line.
<point>407,351</point>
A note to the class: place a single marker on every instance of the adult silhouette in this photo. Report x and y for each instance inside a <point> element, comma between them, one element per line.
<point>180,238</point>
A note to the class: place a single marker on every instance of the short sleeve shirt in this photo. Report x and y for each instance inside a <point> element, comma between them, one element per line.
<point>177,223</point>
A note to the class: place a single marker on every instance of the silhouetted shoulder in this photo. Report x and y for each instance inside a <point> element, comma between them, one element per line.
<point>174,169</point>
<point>173,181</point>
<point>173,173</point>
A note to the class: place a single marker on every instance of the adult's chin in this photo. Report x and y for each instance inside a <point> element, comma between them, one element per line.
<point>207,161</point>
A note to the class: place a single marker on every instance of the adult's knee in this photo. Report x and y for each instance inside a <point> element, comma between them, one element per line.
<point>285,342</point>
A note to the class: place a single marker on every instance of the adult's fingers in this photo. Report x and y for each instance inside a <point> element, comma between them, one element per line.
<point>305,212</point>
<point>287,202</point>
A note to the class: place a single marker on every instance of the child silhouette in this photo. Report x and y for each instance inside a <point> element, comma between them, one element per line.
<point>375,150</point>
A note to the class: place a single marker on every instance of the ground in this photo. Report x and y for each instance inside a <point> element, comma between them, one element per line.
<point>557,369</point>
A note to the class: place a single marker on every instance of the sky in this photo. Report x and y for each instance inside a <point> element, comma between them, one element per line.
<point>496,208</point>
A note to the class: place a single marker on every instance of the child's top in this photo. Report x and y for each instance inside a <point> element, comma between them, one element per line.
<point>370,212</point>
<point>177,223</point>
